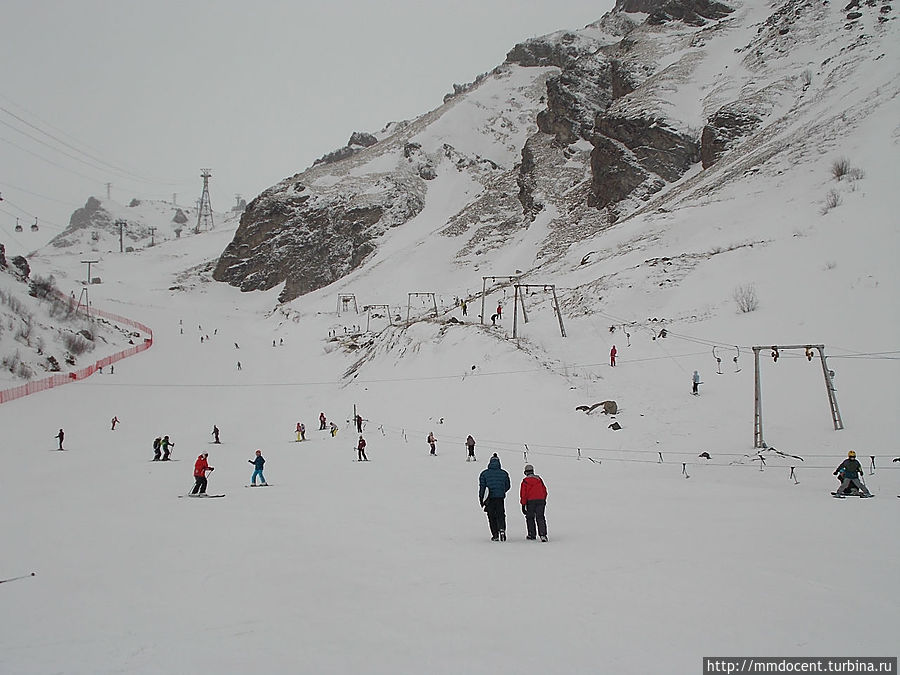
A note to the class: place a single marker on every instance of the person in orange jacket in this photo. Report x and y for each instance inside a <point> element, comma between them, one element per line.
<point>201,466</point>
<point>533,496</point>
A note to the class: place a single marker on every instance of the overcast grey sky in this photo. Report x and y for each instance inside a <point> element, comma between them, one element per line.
<point>253,90</point>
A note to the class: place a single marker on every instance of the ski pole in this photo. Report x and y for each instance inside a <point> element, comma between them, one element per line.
<point>24,576</point>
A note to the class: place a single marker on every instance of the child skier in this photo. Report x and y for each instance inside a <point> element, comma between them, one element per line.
<point>850,468</point>
<point>166,446</point>
<point>470,446</point>
<point>258,463</point>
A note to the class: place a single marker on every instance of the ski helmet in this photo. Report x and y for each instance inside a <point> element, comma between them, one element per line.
<point>851,454</point>
<point>529,469</point>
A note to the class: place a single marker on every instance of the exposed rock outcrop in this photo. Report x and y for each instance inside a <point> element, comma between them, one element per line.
<point>727,126</point>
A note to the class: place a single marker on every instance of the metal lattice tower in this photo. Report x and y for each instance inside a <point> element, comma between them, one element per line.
<point>204,210</point>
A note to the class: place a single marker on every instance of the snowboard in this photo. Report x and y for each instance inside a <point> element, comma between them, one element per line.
<point>201,496</point>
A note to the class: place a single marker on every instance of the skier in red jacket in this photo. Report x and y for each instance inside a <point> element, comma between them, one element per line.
<point>201,466</point>
<point>533,495</point>
<point>612,356</point>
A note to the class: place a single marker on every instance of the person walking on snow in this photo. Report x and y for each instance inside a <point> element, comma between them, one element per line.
<point>851,469</point>
<point>465,308</point>
<point>493,483</point>
<point>201,466</point>
<point>431,441</point>
<point>115,421</point>
<point>696,380</point>
<point>612,356</point>
<point>322,420</point>
<point>166,446</point>
<point>470,446</point>
<point>533,496</point>
<point>258,463</point>
<point>361,450</point>
<point>157,442</point>
<point>60,436</point>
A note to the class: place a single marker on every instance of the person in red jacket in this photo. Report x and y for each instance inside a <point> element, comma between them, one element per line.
<point>533,495</point>
<point>361,450</point>
<point>201,466</point>
<point>612,356</point>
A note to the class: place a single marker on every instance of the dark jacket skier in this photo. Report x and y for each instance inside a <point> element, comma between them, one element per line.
<point>470,446</point>
<point>157,442</point>
<point>60,436</point>
<point>361,450</point>
<point>850,469</point>
<point>493,484</point>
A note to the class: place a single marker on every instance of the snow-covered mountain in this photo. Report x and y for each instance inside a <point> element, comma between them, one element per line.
<point>672,537</point>
<point>654,106</point>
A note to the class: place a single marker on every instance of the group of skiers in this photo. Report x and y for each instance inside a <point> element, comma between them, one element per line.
<point>162,448</point>
<point>493,484</point>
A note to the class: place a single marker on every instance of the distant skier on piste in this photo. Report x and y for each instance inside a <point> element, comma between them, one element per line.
<point>115,421</point>
<point>359,421</point>
<point>157,448</point>
<point>201,467</point>
<point>301,432</point>
<point>60,436</point>
<point>361,450</point>
<point>334,429</point>
<point>431,442</point>
<point>851,469</point>
<point>612,355</point>
<point>494,484</point>
<point>322,421</point>
<point>695,379</point>
<point>499,311</point>
<point>470,446</point>
<point>215,434</point>
<point>533,497</point>
<point>166,446</point>
<point>258,462</point>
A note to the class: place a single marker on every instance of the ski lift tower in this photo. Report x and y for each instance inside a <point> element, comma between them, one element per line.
<point>204,208</point>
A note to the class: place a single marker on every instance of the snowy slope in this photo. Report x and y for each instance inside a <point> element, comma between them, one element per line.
<point>386,566</point>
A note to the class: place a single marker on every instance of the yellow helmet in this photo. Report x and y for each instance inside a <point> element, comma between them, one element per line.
<point>851,454</point>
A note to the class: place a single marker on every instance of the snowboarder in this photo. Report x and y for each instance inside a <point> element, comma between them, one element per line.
<point>258,463</point>
<point>115,421</point>
<point>499,311</point>
<point>494,484</point>
<point>431,441</point>
<point>322,420</point>
<point>166,446</point>
<point>359,421</point>
<point>696,380</point>
<point>612,356</point>
<point>60,436</point>
<point>156,448</point>
<point>334,429</point>
<point>470,446</point>
<point>361,450</point>
<point>533,496</point>
<point>215,434</point>
<point>201,466</point>
<point>851,469</point>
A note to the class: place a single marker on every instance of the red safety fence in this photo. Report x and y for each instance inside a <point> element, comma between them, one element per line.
<point>87,371</point>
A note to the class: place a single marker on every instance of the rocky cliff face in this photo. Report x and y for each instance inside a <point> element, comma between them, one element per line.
<point>574,132</point>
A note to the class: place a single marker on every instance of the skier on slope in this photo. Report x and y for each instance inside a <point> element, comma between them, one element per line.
<point>696,382</point>
<point>322,420</point>
<point>334,429</point>
<point>851,469</point>
<point>361,450</point>
<point>301,432</point>
<point>60,436</point>
<point>157,442</point>
<point>533,497</point>
<point>612,356</point>
<point>493,483</point>
<point>215,434</point>
<point>201,466</point>
<point>258,463</point>
<point>431,442</point>
<point>499,311</point>
<point>470,446</point>
<point>359,421</point>
<point>166,445</point>
<point>115,421</point>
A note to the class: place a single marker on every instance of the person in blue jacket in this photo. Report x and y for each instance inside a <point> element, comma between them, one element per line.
<point>258,463</point>
<point>494,484</point>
